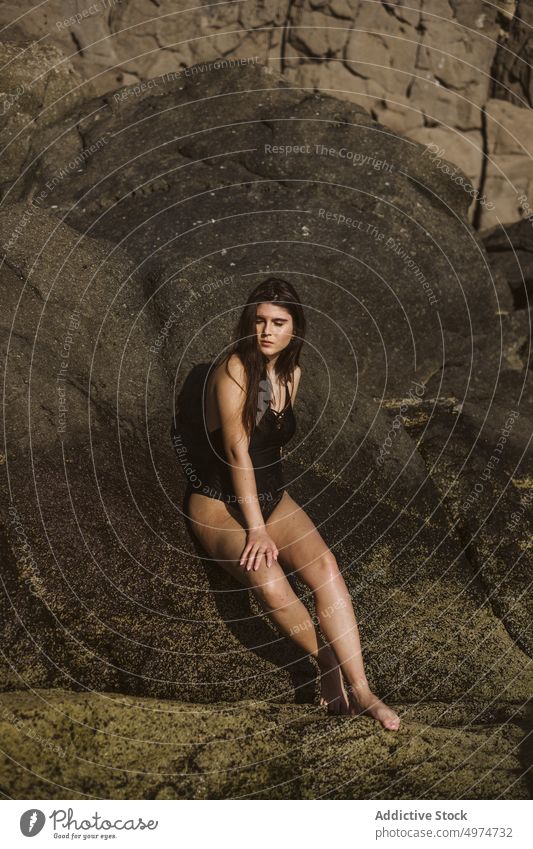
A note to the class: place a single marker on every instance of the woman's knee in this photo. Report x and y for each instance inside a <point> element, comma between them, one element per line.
<point>322,570</point>
<point>272,587</point>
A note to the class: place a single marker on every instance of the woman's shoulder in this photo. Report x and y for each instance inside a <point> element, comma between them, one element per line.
<point>230,369</point>
<point>235,364</point>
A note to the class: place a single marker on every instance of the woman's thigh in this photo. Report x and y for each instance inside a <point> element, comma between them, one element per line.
<point>222,533</point>
<point>302,549</point>
<point>216,526</point>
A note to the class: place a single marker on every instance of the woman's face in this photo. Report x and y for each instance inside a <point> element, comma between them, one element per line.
<point>274,325</point>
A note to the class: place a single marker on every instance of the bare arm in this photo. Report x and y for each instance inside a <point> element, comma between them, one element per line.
<point>296,383</point>
<point>230,396</point>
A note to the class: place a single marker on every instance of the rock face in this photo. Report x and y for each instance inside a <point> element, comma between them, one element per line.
<point>376,193</point>
<point>57,744</point>
<point>512,64</point>
<point>37,88</point>
<point>510,252</point>
<point>413,454</point>
<point>509,169</point>
<point>436,71</point>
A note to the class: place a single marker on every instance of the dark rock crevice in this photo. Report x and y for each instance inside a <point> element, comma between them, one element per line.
<point>467,536</point>
<point>480,200</point>
<point>285,36</point>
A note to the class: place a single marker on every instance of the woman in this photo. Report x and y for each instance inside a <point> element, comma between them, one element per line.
<point>245,519</point>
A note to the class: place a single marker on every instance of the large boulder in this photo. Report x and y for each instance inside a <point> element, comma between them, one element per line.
<point>426,70</point>
<point>37,87</point>
<point>328,194</point>
<point>510,251</point>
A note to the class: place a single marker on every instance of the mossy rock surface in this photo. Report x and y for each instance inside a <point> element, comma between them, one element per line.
<point>59,744</point>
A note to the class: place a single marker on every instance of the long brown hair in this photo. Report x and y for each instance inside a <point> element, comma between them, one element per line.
<point>244,343</point>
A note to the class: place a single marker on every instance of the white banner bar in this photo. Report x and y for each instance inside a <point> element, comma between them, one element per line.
<point>263,824</point>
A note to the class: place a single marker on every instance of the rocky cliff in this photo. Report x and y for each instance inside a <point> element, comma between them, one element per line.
<point>454,75</point>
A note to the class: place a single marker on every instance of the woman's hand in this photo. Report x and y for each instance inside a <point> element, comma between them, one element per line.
<point>258,543</point>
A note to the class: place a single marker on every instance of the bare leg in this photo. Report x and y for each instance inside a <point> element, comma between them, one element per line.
<point>223,538</point>
<point>292,619</point>
<point>303,550</point>
<point>339,626</point>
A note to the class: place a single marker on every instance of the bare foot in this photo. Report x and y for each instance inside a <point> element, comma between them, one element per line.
<point>364,701</point>
<point>332,692</point>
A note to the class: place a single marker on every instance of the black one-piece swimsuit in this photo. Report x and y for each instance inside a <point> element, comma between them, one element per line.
<point>213,473</point>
